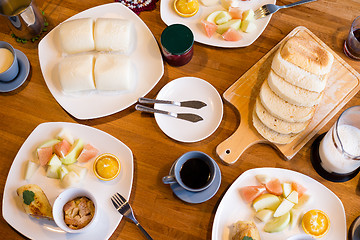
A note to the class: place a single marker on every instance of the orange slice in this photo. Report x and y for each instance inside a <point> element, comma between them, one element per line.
<point>316,223</point>
<point>186,8</point>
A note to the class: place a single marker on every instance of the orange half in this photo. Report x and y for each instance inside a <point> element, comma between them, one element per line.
<point>186,8</point>
<point>316,223</point>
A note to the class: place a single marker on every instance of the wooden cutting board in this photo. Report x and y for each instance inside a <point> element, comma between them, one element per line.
<point>342,85</point>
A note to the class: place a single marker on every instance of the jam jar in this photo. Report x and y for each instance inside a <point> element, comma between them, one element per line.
<point>177,42</point>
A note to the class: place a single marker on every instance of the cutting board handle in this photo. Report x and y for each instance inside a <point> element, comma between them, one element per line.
<point>231,149</point>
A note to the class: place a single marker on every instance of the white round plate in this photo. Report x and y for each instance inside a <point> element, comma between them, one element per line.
<point>145,56</point>
<point>190,88</point>
<point>169,16</point>
<point>233,208</point>
<point>109,218</point>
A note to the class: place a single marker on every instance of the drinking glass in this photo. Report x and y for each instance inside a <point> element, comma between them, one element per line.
<point>352,43</point>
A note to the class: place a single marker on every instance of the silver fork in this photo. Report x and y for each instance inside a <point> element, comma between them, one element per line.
<point>124,208</point>
<point>268,9</point>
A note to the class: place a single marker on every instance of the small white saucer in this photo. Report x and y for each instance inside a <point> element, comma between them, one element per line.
<point>197,197</point>
<point>24,69</point>
<point>189,88</point>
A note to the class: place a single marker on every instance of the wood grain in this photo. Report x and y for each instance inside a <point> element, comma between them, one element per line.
<point>161,213</point>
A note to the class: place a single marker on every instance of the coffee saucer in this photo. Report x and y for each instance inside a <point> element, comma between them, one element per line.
<point>24,69</point>
<point>354,230</point>
<point>197,197</point>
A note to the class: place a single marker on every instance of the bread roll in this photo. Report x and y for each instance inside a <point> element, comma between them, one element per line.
<point>291,93</point>
<point>113,72</point>
<point>77,35</point>
<point>279,108</point>
<point>113,34</point>
<point>76,73</point>
<point>307,55</point>
<point>277,124</point>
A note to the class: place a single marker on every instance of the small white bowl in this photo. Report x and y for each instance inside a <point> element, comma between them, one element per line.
<point>63,198</point>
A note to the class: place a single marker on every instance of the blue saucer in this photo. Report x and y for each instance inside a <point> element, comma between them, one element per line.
<point>197,197</point>
<point>24,69</point>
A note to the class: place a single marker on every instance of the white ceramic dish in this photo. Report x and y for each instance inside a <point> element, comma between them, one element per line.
<point>169,16</point>
<point>34,228</point>
<point>145,56</point>
<point>233,208</point>
<point>66,196</point>
<point>190,88</point>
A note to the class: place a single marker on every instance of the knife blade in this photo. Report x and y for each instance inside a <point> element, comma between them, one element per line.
<point>190,104</point>
<point>184,116</point>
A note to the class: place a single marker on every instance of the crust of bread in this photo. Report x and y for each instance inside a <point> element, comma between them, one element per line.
<point>296,75</point>
<point>40,206</point>
<point>277,124</point>
<point>279,108</point>
<point>307,55</point>
<point>270,134</point>
<point>291,93</point>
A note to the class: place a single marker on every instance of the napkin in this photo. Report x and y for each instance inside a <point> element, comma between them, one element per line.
<point>139,5</point>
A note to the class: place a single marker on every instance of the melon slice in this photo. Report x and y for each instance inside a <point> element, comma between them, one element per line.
<point>44,155</point>
<point>298,188</point>
<point>274,187</point>
<point>210,28</point>
<point>232,35</point>
<point>62,148</point>
<point>87,153</point>
<point>249,193</point>
<point>235,12</point>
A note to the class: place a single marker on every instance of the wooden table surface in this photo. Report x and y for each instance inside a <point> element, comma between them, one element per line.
<point>156,207</point>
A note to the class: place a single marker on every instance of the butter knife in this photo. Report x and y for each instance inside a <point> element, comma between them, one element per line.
<point>184,116</point>
<point>190,104</point>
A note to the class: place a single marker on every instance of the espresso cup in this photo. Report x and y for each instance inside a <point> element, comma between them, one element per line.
<point>13,70</point>
<point>193,171</point>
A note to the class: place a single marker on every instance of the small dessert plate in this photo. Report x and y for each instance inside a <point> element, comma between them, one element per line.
<point>197,197</point>
<point>24,69</point>
<point>189,88</point>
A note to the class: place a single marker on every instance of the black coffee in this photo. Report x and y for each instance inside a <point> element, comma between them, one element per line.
<point>195,173</point>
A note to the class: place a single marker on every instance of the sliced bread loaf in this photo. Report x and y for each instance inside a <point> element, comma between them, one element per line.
<point>269,134</point>
<point>281,109</point>
<point>277,124</point>
<point>291,93</point>
<point>296,75</point>
<point>307,55</point>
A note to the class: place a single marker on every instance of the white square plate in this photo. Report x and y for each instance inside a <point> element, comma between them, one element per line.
<point>145,56</point>
<point>169,16</point>
<point>33,228</point>
<point>233,208</point>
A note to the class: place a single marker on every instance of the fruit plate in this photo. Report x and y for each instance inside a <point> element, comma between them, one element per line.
<point>169,16</point>
<point>145,56</point>
<point>33,228</point>
<point>233,208</point>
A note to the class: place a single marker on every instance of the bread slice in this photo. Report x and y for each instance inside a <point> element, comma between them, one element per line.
<point>296,75</point>
<point>34,201</point>
<point>270,134</point>
<point>307,55</point>
<point>277,124</point>
<point>291,93</point>
<point>281,109</point>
